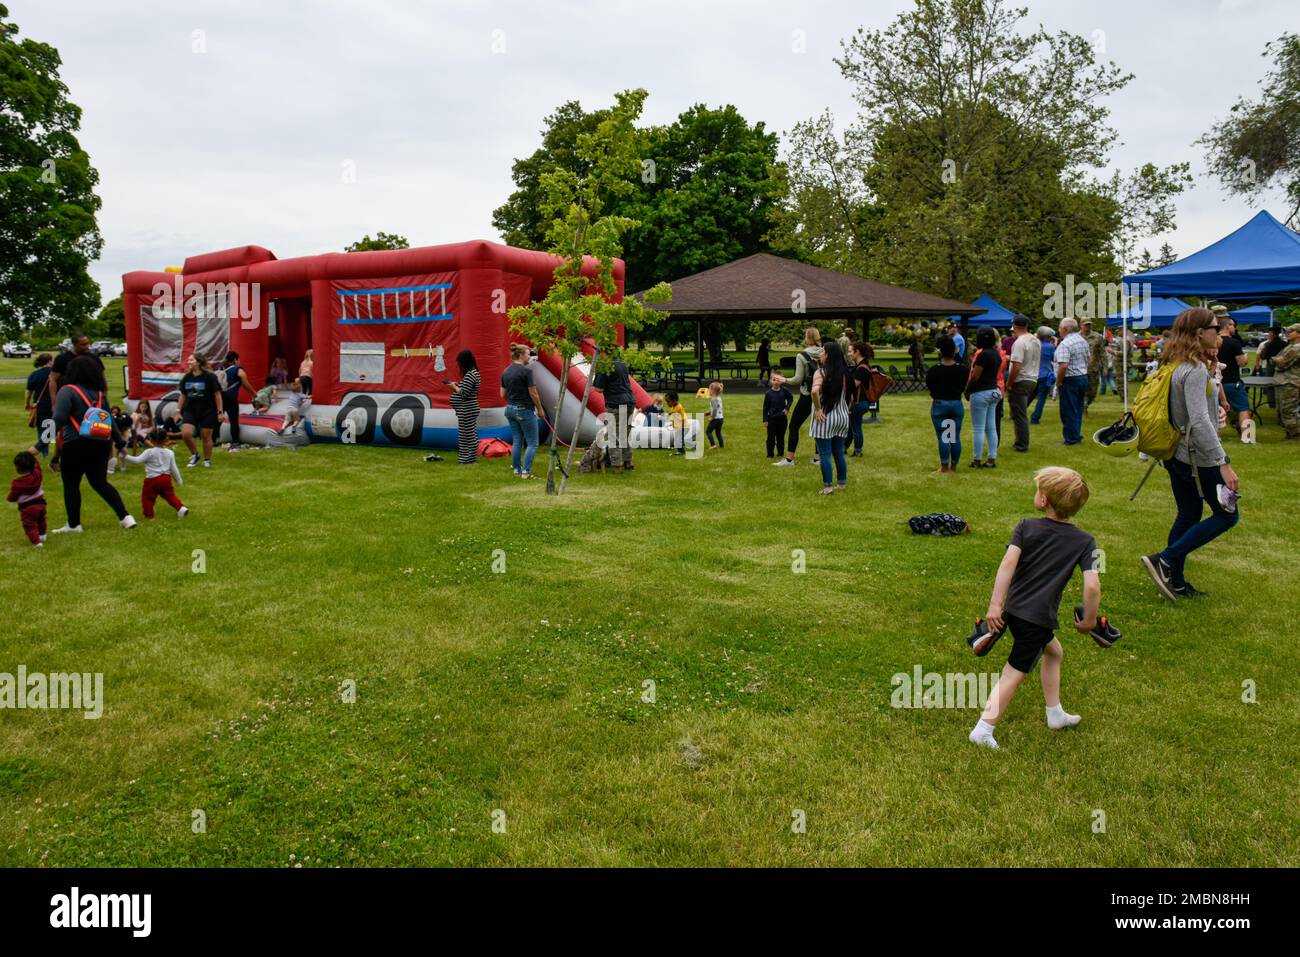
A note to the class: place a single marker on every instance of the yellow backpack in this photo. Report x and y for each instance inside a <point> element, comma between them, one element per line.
<point>1158,437</point>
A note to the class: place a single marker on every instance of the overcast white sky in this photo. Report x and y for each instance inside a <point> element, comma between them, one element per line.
<point>246,142</point>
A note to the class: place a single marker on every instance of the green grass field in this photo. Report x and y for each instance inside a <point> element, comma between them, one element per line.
<point>520,692</point>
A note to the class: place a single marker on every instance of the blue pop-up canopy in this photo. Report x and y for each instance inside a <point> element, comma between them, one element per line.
<point>995,314</point>
<point>1161,314</point>
<point>1253,316</point>
<point>1259,261</point>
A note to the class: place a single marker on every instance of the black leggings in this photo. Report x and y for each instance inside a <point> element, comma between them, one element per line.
<point>798,416</point>
<point>88,458</point>
<point>712,430</point>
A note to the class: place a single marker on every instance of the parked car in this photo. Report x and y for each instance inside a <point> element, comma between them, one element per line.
<point>65,345</point>
<point>17,350</point>
<point>101,347</point>
<point>1254,338</point>
<point>120,349</point>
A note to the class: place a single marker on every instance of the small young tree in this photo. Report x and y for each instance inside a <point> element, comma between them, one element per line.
<point>579,311</point>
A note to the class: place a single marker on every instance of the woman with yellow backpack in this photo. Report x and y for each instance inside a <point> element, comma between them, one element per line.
<point>1176,410</point>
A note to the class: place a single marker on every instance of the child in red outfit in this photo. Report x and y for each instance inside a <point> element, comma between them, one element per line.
<point>26,490</point>
<point>159,469</point>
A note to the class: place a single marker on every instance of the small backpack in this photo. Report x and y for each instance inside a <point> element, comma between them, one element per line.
<point>96,423</point>
<point>1158,437</point>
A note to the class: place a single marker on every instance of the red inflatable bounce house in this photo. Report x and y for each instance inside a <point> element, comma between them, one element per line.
<point>384,329</point>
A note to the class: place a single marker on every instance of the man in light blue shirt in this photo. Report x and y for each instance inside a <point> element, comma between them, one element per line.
<point>958,340</point>
<point>1071,360</point>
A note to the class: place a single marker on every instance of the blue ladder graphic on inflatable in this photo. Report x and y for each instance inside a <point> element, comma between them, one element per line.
<point>383,316</point>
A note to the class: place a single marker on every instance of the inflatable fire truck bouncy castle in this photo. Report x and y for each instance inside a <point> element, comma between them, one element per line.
<point>384,328</point>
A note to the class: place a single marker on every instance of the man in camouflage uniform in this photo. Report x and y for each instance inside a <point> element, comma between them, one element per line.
<point>1286,379</point>
<point>1096,358</point>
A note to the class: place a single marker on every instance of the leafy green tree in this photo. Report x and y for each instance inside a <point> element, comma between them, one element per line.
<point>1167,255</point>
<point>582,308</point>
<point>967,168</point>
<point>382,240</point>
<point>48,232</point>
<point>111,321</point>
<point>521,220</point>
<point>705,189</point>
<point>1257,147</point>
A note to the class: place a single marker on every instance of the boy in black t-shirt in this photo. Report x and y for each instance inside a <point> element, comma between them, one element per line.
<point>1039,563</point>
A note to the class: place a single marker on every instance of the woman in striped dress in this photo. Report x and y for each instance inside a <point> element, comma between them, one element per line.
<point>830,425</point>
<point>464,400</point>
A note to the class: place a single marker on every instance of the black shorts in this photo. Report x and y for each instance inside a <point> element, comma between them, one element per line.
<point>200,419</point>
<point>1028,641</point>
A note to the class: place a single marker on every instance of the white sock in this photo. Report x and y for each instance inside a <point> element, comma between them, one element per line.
<point>982,733</point>
<point>1058,719</point>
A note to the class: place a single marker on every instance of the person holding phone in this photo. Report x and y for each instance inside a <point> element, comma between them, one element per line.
<point>464,400</point>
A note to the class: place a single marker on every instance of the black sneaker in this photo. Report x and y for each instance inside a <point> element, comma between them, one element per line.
<point>1161,575</point>
<point>982,638</point>
<point>1103,633</point>
<point>1188,590</point>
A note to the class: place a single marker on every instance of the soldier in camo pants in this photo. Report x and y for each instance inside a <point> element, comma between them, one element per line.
<point>1286,379</point>
<point>1096,357</point>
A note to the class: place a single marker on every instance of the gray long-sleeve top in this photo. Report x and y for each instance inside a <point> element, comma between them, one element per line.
<point>1192,408</point>
<point>68,405</point>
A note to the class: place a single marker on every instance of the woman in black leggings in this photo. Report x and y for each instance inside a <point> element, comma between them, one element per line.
<point>806,364</point>
<point>85,456</point>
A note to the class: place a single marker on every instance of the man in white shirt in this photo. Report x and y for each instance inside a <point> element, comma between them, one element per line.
<point>1071,358</point>
<point>1022,378</point>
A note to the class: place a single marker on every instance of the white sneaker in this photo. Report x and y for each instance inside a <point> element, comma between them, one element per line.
<point>43,537</point>
<point>194,460</point>
<point>66,528</point>
<point>182,511</point>
<point>39,545</point>
<point>128,522</point>
<point>782,462</point>
<point>983,740</point>
<point>207,463</point>
<point>112,466</point>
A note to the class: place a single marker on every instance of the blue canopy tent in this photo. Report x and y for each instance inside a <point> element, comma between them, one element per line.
<point>1259,262</point>
<point>1253,316</point>
<point>1163,312</point>
<point>995,314</point>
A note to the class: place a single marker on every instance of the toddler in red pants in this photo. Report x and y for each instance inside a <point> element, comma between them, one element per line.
<point>26,490</point>
<point>159,470</point>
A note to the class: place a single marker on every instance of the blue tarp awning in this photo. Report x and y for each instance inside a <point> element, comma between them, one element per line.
<point>1163,312</point>
<point>1253,315</point>
<point>995,314</point>
<point>1259,261</point>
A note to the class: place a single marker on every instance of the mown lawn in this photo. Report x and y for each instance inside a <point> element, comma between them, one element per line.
<point>520,692</point>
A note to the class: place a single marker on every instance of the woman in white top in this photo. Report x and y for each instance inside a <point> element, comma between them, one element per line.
<point>830,426</point>
<point>805,367</point>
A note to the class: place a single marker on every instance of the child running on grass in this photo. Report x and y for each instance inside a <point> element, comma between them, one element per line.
<point>676,419</point>
<point>159,470</point>
<point>1038,565</point>
<point>26,490</point>
<point>714,428</point>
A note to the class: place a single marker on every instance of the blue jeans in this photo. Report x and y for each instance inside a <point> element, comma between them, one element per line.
<point>1045,383</point>
<point>947,416</point>
<point>523,431</point>
<point>1073,392</point>
<point>1190,531</point>
<point>828,449</point>
<point>983,417</point>
<point>856,412</point>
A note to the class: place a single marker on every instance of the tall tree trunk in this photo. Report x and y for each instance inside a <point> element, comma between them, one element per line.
<point>555,427</point>
<point>577,422</point>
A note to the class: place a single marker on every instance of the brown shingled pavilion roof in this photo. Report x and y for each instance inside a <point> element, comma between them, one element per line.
<point>763,285</point>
